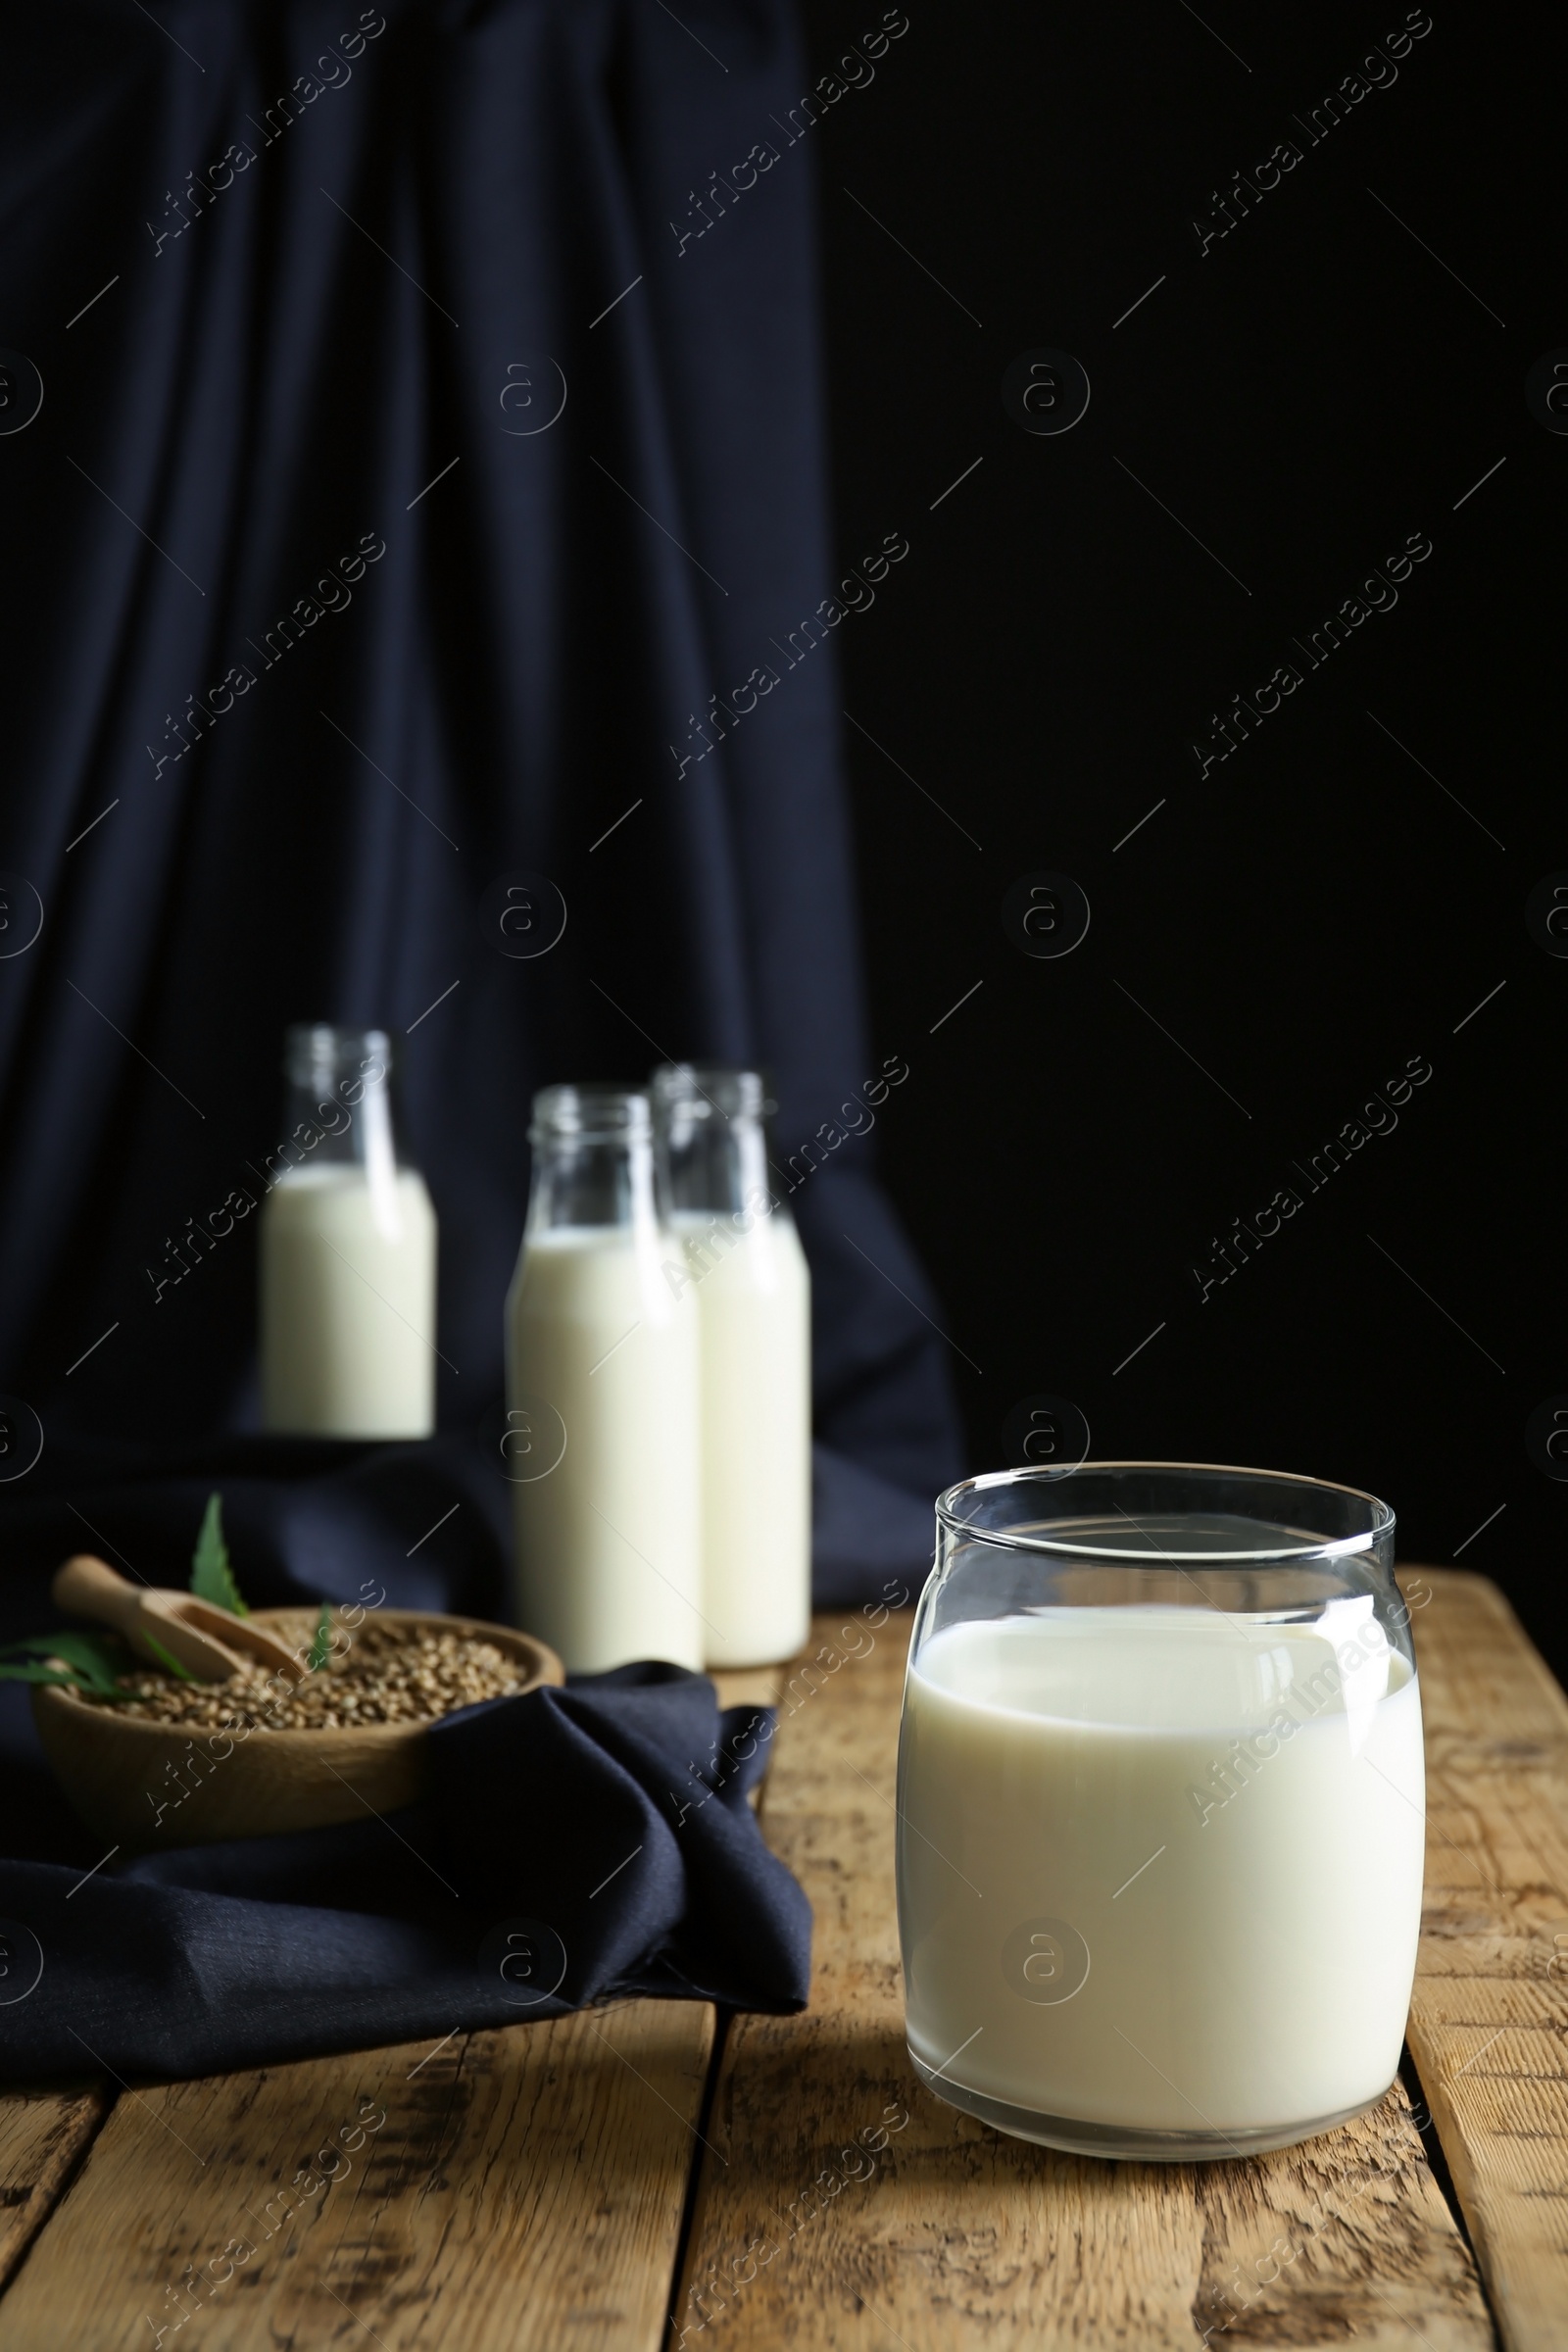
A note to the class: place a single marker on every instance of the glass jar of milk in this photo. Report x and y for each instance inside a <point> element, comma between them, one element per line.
<point>744,1267</point>
<point>603,1351</point>
<point>348,1253</point>
<point>1160,1809</point>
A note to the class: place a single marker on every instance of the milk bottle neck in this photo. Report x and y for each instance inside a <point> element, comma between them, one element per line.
<point>710,1140</point>
<point>339,1104</point>
<point>593,1163</point>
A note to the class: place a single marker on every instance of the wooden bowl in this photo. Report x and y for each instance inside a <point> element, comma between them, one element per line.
<point>145,1786</point>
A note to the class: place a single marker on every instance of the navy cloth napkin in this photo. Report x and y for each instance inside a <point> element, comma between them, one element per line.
<point>577,1846</point>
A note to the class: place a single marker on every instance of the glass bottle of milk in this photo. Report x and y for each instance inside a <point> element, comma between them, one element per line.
<point>348,1253</point>
<point>749,1280</point>
<point>603,1350</point>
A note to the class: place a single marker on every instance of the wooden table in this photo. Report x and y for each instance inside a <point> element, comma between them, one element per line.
<point>638,2177</point>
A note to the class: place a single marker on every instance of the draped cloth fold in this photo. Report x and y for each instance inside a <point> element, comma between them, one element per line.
<point>428,490</point>
<point>577,1846</point>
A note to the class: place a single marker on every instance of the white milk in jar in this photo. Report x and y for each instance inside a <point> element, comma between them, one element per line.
<point>1168,1869</point>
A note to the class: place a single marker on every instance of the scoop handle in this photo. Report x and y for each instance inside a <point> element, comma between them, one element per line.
<point>89,1588</point>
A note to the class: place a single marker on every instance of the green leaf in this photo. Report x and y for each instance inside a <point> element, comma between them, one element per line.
<point>212,1579</point>
<point>40,1671</point>
<point>103,1650</point>
<point>321,1647</point>
<point>96,1657</point>
<point>83,1661</point>
<point>166,1657</point>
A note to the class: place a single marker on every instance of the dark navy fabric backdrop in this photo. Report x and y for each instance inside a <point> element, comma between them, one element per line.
<point>396,510</point>
<point>397,507</point>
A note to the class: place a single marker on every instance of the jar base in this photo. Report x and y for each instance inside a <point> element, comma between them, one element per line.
<point>1125,2142</point>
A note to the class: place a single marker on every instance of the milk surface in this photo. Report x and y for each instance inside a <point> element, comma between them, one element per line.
<point>348,1298</point>
<point>753,1296</point>
<point>609,1558</point>
<point>1168,1875</point>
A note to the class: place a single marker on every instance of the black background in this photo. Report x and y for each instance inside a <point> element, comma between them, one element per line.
<point>1314,911</point>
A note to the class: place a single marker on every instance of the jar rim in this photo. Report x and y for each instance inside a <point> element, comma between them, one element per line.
<point>1324,1547</point>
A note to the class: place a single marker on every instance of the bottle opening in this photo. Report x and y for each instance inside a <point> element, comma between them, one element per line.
<point>317,1054</point>
<point>590,1112</point>
<point>686,1092</point>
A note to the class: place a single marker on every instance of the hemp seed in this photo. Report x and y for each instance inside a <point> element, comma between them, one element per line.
<point>383,1675</point>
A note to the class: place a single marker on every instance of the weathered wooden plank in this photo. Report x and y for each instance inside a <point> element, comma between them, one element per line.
<point>1488,2023</point>
<point>514,2188</point>
<point>42,2133</point>
<point>844,2206</point>
<point>494,2190</point>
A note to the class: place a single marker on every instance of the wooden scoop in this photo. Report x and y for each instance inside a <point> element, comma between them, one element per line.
<point>208,1642</point>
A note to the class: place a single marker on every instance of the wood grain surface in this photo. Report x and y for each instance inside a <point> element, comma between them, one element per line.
<point>841,2205</point>
<point>505,2188</point>
<point>42,2135</point>
<point>1488,2023</point>
<point>526,2186</point>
